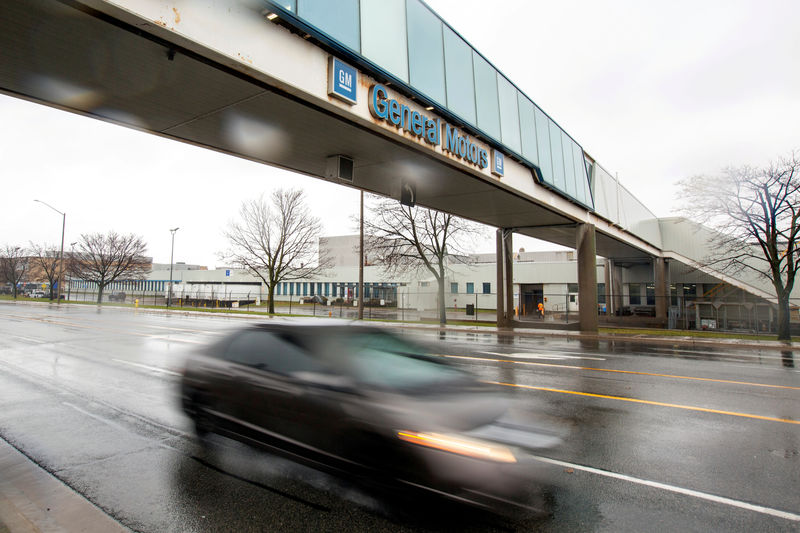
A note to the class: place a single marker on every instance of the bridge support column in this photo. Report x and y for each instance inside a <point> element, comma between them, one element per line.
<point>505,279</point>
<point>587,278</point>
<point>616,287</point>
<point>662,297</point>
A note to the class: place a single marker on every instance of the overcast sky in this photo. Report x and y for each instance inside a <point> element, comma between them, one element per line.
<point>654,91</point>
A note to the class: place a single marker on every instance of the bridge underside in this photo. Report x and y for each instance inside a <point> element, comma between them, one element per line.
<point>85,62</point>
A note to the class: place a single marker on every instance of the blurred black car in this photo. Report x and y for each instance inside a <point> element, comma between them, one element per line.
<point>364,402</point>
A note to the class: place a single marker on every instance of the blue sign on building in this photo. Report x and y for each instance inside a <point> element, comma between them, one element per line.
<point>342,80</point>
<point>498,161</point>
<point>227,273</point>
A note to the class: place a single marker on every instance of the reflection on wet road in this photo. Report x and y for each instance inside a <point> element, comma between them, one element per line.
<point>688,439</point>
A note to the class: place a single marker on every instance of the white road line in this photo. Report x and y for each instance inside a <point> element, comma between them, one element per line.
<point>148,367</point>
<point>680,490</point>
<point>554,357</point>
<point>170,339</point>
<point>99,418</point>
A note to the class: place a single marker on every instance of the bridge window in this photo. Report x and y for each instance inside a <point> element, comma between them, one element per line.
<point>509,114</point>
<point>454,288</point>
<point>425,51</point>
<point>486,96</point>
<point>569,165</point>
<point>558,156</point>
<point>543,145</point>
<point>487,288</point>
<point>470,288</point>
<point>382,42</point>
<point>337,19</point>
<point>460,80</point>
<point>527,129</point>
<point>288,5</point>
<point>581,183</point>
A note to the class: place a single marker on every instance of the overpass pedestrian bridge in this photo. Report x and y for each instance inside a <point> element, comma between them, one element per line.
<point>380,95</point>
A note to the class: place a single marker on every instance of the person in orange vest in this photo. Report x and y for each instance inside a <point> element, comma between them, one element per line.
<point>541,310</point>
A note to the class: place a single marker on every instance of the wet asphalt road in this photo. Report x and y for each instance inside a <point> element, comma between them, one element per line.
<point>661,438</point>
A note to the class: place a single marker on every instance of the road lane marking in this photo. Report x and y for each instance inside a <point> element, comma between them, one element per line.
<point>649,402</point>
<point>148,367</point>
<point>595,369</point>
<point>531,355</point>
<point>672,488</point>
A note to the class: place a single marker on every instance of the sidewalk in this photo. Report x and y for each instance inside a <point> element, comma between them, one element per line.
<point>662,339</point>
<point>32,500</point>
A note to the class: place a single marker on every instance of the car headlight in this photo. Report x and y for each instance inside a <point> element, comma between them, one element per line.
<point>479,449</point>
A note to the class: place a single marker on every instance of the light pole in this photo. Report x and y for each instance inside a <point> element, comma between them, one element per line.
<point>172,251</point>
<point>71,259</point>
<point>61,255</point>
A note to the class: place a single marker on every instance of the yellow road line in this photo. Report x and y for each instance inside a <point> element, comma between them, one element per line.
<point>595,369</point>
<point>648,402</point>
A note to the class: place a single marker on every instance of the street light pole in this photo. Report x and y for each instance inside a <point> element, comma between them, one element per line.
<point>172,251</point>
<point>61,254</point>
<point>71,258</point>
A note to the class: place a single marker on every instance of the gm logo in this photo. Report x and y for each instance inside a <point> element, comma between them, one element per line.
<point>342,80</point>
<point>498,162</point>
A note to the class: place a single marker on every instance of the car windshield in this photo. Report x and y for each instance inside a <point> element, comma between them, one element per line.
<point>382,360</point>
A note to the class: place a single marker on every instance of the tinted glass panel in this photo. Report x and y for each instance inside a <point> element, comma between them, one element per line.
<point>509,114</point>
<point>288,5</point>
<point>569,165</point>
<point>425,51</point>
<point>383,35</point>
<point>386,361</point>
<point>486,96</point>
<point>543,145</point>
<point>248,348</point>
<point>460,81</point>
<point>337,19</point>
<point>581,183</point>
<point>558,156</point>
<point>527,129</point>
<point>285,357</point>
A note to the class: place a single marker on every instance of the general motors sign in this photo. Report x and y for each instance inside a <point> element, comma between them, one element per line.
<point>342,80</point>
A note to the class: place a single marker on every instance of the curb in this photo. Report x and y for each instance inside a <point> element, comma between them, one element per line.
<point>33,500</point>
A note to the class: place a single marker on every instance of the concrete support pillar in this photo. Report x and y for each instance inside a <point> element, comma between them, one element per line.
<point>616,286</point>
<point>662,299</point>
<point>587,278</point>
<point>501,285</point>
<point>509,260</point>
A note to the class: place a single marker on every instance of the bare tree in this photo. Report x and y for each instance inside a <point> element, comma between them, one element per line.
<point>46,258</point>
<point>407,239</point>
<point>756,215</point>
<point>276,240</point>
<point>13,266</point>
<point>102,259</point>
